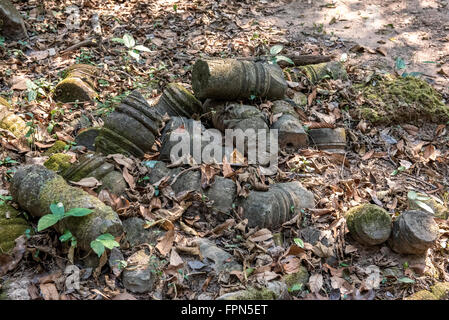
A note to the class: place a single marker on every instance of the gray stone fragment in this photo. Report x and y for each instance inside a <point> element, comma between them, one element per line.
<point>139,280</point>
<point>136,234</point>
<point>223,261</point>
<point>87,138</point>
<point>114,182</point>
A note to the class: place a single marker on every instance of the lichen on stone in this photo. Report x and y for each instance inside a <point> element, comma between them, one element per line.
<point>301,277</point>
<point>58,162</point>
<point>58,146</point>
<point>368,224</point>
<point>12,226</point>
<point>395,100</point>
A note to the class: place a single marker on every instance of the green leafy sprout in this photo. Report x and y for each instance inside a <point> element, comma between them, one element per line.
<point>275,57</point>
<point>133,49</point>
<point>58,213</point>
<point>103,241</point>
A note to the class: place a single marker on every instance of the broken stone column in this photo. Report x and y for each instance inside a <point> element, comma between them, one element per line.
<point>34,188</point>
<point>12,226</point>
<point>253,124</point>
<point>314,73</point>
<point>238,116</point>
<point>269,209</point>
<point>222,191</point>
<point>230,79</point>
<point>94,165</point>
<point>78,84</point>
<point>87,138</point>
<point>291,132</point>
<point>130,129</point>
<point>369,224</point>
<point>414,232</point>
<point>10,121</point>
<point>177,101</point>
<point>327,139</point>
<point>190,138</point>
<point>11,22</point>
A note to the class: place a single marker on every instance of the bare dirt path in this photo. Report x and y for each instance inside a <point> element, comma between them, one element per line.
<point>416,30</point>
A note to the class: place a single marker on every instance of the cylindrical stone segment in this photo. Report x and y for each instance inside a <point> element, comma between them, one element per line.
<point>222,191</point>
<point>269,209</point>
<point>331,140</point>
<point>177,101</point>
<point>291,133</point>
<point>10,121</point>
<point>35,188</point>
<point>94,165</point>
<point>130,129</point>
<point>314,73</point>
<point>78,84</point>
<point>190,138</point>
<point>413,232</point>
<point>369,224</point>
<point>230,79</point>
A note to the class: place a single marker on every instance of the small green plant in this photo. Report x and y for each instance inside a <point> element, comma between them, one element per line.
<point>418,200</point>
<point>400,65</point>
<point>398,170</point>
<point>299,242</point>
<point>2,41</point>
<point>103,241</point>
<point>6,161</point>
<point>275,57</point>
<point>4,198</point>
<point>58,213</point>
<point>84,57</point>
<point>33,90</point>
<point>295,287</point>
<point>67,236</point>
<point>133,49</point>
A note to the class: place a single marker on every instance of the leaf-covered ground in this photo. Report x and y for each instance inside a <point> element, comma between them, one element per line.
<point>381,164</point>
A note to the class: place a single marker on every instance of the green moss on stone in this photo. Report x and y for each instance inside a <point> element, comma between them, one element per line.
<point>15,124</point>
<point>58,162</point>
<point>12,226</point>
<point>392,100</point>
<point>422,295</point>
<point>441,290</point>
<point>58,146</point>
<point>301,277</point>
<point>5,103</point>
<point>369,224</point>
<point>73,89</point>
<point>87,228</point>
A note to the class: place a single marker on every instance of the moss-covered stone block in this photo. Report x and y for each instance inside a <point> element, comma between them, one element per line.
<point>10,121</point>
<point>58,162</point>
<point>35,188</point>
<point>369,224</point>
<point>396,100</point>
<point>230,79</point>
<point>178,101</point>
<point>298,278</point>
<point>58,146</point>
<point>12,226</point>
<point>78,84</point>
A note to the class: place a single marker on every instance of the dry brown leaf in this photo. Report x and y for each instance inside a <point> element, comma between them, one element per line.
<point>89,182</point>
<point>315,282</point>
<point>166,242</point>
<point>49,291</point>
<point>175,259</point>
<point>129,178</point>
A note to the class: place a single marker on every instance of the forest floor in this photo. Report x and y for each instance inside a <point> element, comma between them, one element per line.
<point>381,164</point>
